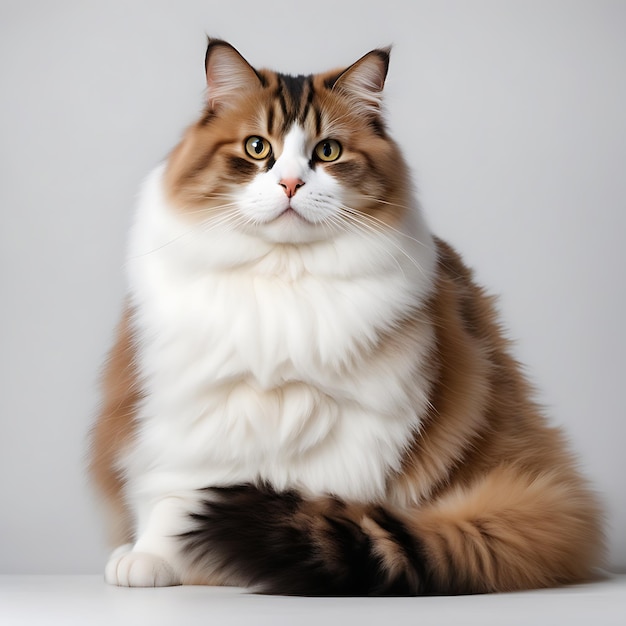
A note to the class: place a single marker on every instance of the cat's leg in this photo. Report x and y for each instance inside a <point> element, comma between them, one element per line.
<point>154,560</point>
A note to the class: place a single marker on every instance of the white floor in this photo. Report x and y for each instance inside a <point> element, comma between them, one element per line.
<point>86,600</point>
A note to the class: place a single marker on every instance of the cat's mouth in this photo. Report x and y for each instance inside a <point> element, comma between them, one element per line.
<point>291,214</point>
<point>289,225</point>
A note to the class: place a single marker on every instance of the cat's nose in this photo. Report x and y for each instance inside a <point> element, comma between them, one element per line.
<point>291,185</point>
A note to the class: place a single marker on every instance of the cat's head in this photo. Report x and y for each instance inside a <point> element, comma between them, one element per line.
<point>290,159</point>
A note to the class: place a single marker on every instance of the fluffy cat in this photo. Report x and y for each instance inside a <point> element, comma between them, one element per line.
<point>308,393</point>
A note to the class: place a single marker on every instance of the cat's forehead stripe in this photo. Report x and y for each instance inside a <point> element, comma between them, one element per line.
<point>294,86</point>
<point>294,95</point>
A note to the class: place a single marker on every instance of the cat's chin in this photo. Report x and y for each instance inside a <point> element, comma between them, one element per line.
<point>291,228</point>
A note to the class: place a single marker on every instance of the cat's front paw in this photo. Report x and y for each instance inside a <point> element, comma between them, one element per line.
<point>139,569</point>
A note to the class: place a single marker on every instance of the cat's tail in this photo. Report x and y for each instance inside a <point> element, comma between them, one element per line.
<point>279,543</point>
<point>501,538</point>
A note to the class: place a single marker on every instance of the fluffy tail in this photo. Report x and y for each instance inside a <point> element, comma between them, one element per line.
<point>490,539</point>
<point>278,543</point>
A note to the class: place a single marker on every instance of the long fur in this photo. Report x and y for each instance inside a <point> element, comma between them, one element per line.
<point>309,393</point>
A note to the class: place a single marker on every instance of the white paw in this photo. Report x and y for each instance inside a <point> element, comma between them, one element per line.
<point>123,549</point>
<point>138,569</point>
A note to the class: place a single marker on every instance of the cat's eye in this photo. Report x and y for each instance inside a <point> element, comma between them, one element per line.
<point>328,150</point>
<point>257,147</point>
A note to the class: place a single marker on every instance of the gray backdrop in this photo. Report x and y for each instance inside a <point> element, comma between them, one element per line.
<point>512,114</point>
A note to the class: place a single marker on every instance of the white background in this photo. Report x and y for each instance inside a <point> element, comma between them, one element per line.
<point>512,114</point>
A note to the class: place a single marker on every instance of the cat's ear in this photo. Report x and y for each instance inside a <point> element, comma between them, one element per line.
<point>364,80</point>
<point>227,73</point>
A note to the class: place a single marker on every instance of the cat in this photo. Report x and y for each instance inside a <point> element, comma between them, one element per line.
<point>308,393</point>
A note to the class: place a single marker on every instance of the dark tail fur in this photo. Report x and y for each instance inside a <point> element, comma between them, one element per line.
<point>279,543</point>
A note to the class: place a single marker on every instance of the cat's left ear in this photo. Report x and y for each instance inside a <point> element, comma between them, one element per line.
<point>228,74</point>
<point>364,80</point>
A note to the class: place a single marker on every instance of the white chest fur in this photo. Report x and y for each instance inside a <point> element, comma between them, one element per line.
<point>263,362</point>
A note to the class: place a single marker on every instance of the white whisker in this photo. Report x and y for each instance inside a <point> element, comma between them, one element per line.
<point>225,213</point>
<point>378,227</point>
<point>376,219</point>
<point>343,221</point>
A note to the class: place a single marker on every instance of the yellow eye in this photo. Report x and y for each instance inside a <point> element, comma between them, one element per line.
<point>328,150</point>
<point>257,147</point>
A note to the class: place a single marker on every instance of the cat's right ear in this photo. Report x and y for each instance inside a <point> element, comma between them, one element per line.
<point>227,73</point>
<point>364,80</point>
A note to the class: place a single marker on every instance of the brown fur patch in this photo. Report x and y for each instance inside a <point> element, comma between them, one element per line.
<point>115,426</point>
<point>392,554</point>
<point>511,530</point>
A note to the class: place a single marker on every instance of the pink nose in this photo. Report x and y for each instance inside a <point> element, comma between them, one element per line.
<point>291,185</point>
